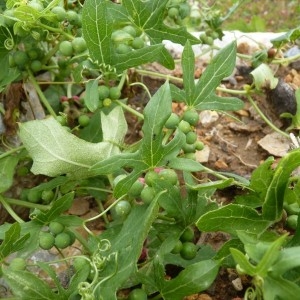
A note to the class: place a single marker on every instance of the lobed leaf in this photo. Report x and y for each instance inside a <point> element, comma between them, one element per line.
<point>231,218</point>
<point>193,279</point>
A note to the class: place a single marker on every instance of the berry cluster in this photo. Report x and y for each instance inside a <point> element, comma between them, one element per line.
<point>56,235</point>
<point>127,39</point>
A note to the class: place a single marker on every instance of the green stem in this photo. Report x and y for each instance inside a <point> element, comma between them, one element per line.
<point>101,208</point>
<point>12,201</point>
<point>57,30</point>
<point>233,92</point>
<point>122,81</point>
<point>94,189</point>
<point>286,60</point>
<point>180,80</point>
<point>261,114</point>
<point>9,152</point>
<point>41,94</point>
<point>10,211</point>
<point>158,75</point>
<point>129,109</point>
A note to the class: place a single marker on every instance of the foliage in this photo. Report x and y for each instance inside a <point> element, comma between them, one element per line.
<point>148,194</point>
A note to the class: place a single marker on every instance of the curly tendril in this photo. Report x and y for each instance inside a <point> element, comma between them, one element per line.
<point>85,290</point>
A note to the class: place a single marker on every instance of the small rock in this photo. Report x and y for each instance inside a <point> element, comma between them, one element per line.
<point>203,155</point>
<point>221,164</point>
<point>275,143</point>
<point>207,117</point>
<point>237,284</point>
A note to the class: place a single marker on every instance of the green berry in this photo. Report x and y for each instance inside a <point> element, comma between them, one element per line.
<point>173,12</point>
<point>79,44</point>
<point>46,240</point>
<point>34,196</point>
<point>56,228</point>
<point>66,48</point>
<point>191,116</point>
<point>17,264</point>
<point>123,49</point>
<point>172,121</point>
<point>184,126</point>
<point>118,179</point>
<point>168,175</point>
<point>114,93</point>
<point>122,208</point>
<point>47,196</point>
<point>188,251</point>
<point>148,194</point>
<point>107,102</point>
<point>60,13</point>
<point>120,36</point>
<point>187,235</point>
<point>137,294</point>
<point>36,66</point>
<point>151,177</point>
<point>191,137</point>
<point>72,17</point>
<point>199,145</point>
<point>138,43</point>
<point>62,240</point>
<point>136,189</point>
<point>20,58</point>
<point>292,221</point>
<point>130,29</point>
<point>177,248</point>
<point>103,91</point>
<point>83,120</point>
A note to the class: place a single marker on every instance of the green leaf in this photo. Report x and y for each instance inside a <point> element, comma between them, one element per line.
<point>264,77</point>
<point>93,132</point>
<point>55,151</point>
<point>279,288</point>
<point>97,27</point>
<point>289,36</point>
<point>12,241</point>
<point>273,205</point>
<point>193,279</point>
<point>231,218</point>
<point>270,256</point>
<point>59,206</point>
<point>188,69</point>
<point>27,286</point>
<point>261,178</point>
<point>220,67</point>
<point>289,259</point>
<point>243,262</point>
<point>126,248</point>
<point>7,170</point>
<point>91,98</point>
<point>185,164</point>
